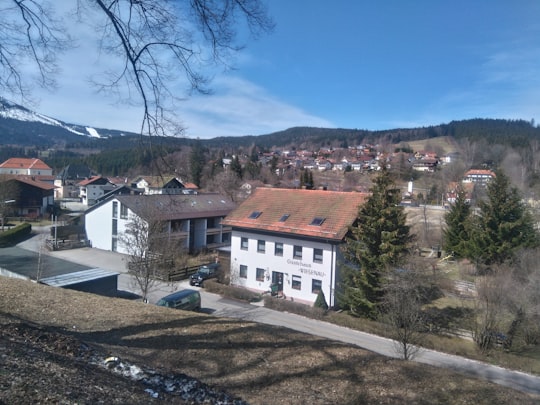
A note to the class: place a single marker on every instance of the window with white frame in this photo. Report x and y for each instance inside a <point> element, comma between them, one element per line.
<point>297,252</point>
<point>123,211</point>
<point>296,282</point>
<point>316,286</point>
<point>115,209</point>
<point>243,271</point>
<point>317,255</point>
<point>261,246</point>
<point>259,275</point>
<point>278,249</point>
<point>244,243</point>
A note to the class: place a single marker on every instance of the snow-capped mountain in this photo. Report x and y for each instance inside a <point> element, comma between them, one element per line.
<point>19,125</point>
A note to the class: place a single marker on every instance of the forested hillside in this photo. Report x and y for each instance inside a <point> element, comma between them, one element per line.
<point>512,144</point>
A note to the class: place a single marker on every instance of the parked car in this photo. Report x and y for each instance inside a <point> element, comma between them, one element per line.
<point>204,273</point>
<point>188,300</point>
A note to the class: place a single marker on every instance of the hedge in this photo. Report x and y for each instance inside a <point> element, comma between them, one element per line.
<point>15,235</point>
<point>230,291</point>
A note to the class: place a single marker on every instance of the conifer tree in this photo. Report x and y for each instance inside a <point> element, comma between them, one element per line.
<point>456,237</point>
<point>320,302</point>
<point>503,225</point>
<point>379,240</point>
<point>236,167</point>
<point>197,160</point>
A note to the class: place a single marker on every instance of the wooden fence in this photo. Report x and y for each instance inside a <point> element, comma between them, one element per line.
<point>170,273</point>
<point>67,244</point>
<point>178,274</point>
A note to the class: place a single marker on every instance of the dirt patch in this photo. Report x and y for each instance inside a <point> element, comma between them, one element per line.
<point>50,335</point>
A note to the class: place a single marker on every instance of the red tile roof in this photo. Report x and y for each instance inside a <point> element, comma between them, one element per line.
<point>25,163</point>
<point>338,209</point>
<point>480,172</point>
<point>91,180</point>
<point>32,181</point>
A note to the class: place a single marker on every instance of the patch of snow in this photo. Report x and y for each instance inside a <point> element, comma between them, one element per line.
<point>181,385</point>
<point>16,112</point>
<point>93,133</point>
<point>152,393</point>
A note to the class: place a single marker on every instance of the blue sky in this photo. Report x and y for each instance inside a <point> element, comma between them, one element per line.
<point>351,64</point>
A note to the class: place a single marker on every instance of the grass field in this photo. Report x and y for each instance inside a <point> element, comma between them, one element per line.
<point>46,331</point>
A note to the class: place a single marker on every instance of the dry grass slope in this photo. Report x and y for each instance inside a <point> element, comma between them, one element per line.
<point>259,363</point>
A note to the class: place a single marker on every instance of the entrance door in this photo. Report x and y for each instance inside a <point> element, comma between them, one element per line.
<point>277,283</point>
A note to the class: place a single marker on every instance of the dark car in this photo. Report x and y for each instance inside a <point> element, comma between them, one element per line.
<point>204,273</point>
<point>188,300</point>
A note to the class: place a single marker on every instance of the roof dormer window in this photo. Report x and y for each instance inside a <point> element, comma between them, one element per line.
<point>317,221</point>
<point>255,215</point>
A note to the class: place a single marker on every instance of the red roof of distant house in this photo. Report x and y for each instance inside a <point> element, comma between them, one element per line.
<point>312,213</point>
<point>118,180</point>
<point>480,172</point>
<point>25,163</point>
<point>31,180</point>
<point>91,180</point>
<point>190,185</point>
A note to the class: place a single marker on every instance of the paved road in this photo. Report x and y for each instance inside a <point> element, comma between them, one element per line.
<point>218,306</point>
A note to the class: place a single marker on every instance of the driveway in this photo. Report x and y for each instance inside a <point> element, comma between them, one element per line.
<point>218,306</point>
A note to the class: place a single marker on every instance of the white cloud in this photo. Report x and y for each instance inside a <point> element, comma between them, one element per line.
<point>239,107</point>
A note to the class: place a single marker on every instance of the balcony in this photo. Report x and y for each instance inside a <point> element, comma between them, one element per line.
<point>217,231</point>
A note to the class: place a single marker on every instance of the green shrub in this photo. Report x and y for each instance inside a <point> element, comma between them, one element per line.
<point>15,235</point>
<point>320,302</point>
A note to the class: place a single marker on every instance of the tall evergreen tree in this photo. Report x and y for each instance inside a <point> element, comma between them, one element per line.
<point>455,234</point>
<point>197,162</point>
<point>236,167</point>
<point>503,225</point>
<point>274,164</point>
<point>379,240</point>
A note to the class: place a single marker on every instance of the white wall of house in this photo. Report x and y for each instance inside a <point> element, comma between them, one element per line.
<point>99,227</point>
<point>91,192</point>
<point>298,274</point>
<point>26,171</point>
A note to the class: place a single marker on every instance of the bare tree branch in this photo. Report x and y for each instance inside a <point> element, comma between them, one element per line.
<point>155,41</point>
<point>30,34</point>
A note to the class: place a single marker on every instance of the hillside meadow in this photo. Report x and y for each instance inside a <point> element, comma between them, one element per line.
<point>259,363</point>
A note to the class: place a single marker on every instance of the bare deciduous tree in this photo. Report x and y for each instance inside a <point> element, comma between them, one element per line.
<point>137,241</point>
<point>507,305</point>
<point>226,183</point>
<point>404,296</point>
<point>153,40</point>
<point>489,308</point>
<point>152,246</point>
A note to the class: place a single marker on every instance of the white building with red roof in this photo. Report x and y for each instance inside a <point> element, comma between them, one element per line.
<point>90,190</point>
<point>288,241</point>
<point>26,166</point>
<point>478,176</point>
